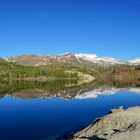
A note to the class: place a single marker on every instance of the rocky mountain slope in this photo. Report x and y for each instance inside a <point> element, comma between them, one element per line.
<point>70,59</point>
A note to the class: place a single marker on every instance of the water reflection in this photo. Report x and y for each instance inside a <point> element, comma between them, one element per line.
<point>29,117</point>
<point>68,89</point>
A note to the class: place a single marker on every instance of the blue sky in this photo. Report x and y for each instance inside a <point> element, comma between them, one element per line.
<point>105,27</point>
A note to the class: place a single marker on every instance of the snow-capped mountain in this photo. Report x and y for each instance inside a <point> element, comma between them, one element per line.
<point>100,60</point>
<point>135,61</point>
<point>69,59</point>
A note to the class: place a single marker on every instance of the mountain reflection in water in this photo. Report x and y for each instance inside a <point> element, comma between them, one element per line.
<point>67,89</point>
<point>38,111</point>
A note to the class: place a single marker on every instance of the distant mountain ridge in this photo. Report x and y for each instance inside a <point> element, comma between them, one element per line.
<point>135,61</point>
<point>70,59</point>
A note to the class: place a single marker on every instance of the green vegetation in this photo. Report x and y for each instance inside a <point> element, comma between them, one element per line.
<point>59,78</point>
<point>11,71</point>
<point>15,72</point>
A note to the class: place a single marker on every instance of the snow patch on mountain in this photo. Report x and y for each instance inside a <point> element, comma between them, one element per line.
<point>81,58</point>
<point>89,57</point>
<point>100,60</point>
<point>135,61</point>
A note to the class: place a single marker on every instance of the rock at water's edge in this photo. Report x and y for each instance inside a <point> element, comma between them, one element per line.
<point>120,124</point>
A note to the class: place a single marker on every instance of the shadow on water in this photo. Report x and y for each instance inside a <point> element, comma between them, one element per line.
<point>84,138</point>
<point>69,135</point>
<point>92,138</point>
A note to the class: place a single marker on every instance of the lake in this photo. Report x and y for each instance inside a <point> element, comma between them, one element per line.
<point>47,111</point>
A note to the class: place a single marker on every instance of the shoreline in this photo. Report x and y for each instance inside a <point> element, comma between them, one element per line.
<point>119,124</point>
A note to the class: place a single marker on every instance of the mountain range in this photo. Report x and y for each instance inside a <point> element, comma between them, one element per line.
<point>70,59</point>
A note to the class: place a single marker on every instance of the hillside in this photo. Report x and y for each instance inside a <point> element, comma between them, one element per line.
<point>120,75</point>
<point>67,59</point>
<point>68,65</point>
<point>12,71</point>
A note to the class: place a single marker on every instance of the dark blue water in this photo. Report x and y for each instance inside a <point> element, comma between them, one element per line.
<point>46,119</point>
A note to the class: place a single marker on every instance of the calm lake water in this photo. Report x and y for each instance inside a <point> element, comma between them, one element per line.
<point>38,115</point>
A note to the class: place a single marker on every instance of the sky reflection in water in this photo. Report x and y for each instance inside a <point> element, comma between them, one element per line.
<point>41,118</point>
